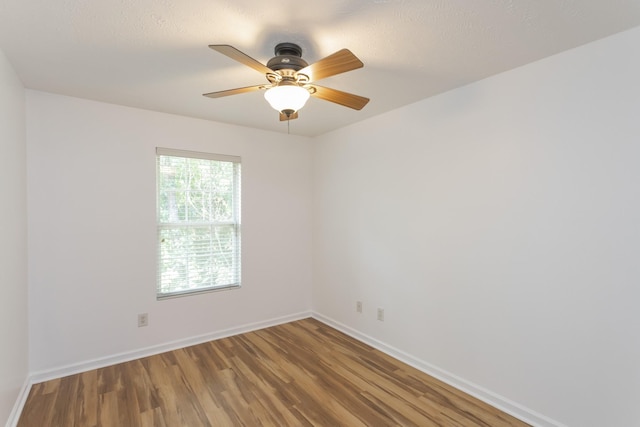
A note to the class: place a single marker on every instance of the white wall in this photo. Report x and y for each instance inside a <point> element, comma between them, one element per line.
<point>498,225</point>
<point>13,244</point>
<point>92,237</point>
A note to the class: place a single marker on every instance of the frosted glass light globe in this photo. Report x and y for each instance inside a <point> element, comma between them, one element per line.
<point>287,97</point>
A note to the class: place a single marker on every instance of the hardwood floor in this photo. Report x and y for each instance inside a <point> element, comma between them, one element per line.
<point>302,373</point>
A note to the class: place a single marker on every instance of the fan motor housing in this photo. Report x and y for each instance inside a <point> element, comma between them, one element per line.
<point>288,56</point>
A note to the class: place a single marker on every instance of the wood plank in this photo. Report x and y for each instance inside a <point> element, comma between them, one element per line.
<point>302,373</point>
<point>87,396</point>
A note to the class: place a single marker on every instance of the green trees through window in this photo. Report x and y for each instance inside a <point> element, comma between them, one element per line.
<point>198,205</point>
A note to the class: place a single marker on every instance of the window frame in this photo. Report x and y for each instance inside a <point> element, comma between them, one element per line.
<point>235,222</point>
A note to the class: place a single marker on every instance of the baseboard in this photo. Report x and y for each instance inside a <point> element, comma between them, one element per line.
<point>76,368</point>
<point>512,408</point>
<point>14,416</point>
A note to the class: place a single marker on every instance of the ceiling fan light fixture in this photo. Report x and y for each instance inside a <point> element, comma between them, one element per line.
<point>292,80</point>
<point>287,98</point>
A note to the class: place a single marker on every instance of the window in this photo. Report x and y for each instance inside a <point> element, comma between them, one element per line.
<point>198,204</point>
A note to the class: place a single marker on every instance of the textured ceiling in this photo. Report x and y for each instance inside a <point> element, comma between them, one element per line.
<point>153,54</point>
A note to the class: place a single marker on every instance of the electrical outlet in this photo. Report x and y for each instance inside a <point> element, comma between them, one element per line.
<point>143,319</point>
<point>359,306</point>
<point>381,314</point>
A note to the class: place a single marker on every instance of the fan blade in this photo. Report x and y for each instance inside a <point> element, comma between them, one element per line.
<point>243,58</point>
<point>339,62</point>
<point>237,91</point>
<point>343,98</point>
<point>284,118</point>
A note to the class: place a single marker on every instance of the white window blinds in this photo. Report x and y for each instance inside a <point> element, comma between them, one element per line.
<point>198,219</point>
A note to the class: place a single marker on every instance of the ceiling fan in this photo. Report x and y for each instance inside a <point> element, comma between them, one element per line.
<point>291,80</point>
